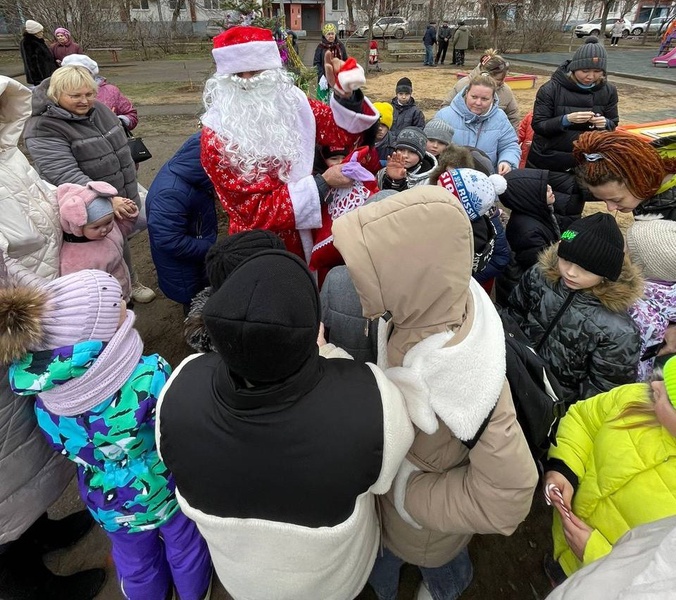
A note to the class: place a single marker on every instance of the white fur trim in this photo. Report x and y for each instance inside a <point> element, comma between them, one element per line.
<point>305,201</point>
<point>352,79</point>
<point>350,121</point>
<point>648,217</point>
<point>397,431</point>
<point>249,56</point>
<point>399,488</point>
<point>459,384</point>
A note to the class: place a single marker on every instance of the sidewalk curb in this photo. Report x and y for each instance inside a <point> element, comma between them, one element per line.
<point>515,59</point>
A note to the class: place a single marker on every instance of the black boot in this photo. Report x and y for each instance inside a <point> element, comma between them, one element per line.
<point>48,534</point>
<point>23,576</point>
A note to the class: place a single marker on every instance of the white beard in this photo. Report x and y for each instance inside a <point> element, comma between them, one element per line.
<point>256,121</point>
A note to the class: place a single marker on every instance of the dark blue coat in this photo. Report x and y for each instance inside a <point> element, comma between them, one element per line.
<point>182,222</point>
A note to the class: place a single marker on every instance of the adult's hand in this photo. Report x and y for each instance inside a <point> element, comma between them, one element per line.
<point>504,168</point>
<point>598,121</point>
<point>395,167</point>
<point>583,116</point>
<point>334,177</point>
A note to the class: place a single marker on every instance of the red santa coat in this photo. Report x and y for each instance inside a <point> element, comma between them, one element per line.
<point>290,209</point>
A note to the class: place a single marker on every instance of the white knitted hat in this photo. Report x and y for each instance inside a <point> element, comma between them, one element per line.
<point>652,248</point>
<point>33,27</point>
<point>477,192</point>
<point>81,60</point>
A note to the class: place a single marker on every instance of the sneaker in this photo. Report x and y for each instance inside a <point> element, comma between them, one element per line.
<point>142,294</point>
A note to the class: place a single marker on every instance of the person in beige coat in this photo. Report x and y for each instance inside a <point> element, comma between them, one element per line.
<point>469,469</point>
<point>497,68</point>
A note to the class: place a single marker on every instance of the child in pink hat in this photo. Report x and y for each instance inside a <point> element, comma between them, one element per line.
<point>93,236</point>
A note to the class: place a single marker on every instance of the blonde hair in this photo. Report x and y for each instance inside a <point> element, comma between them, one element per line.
<point>642,409</point>
<point>491,62</point>
<point>483,79</point>
<point>68,79</point>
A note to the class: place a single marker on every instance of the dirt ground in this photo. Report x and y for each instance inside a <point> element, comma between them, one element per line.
<point>504,567</point>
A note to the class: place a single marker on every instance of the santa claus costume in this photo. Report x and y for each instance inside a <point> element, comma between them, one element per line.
<point>259,135</point>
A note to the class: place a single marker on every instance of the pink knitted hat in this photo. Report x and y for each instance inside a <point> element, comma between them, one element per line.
<point>244,48</point>
<point>73,200</point>
<point>82,306</point>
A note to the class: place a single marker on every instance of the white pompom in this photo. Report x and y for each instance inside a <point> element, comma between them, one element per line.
<point>499,183</point>
<point>352,79</point>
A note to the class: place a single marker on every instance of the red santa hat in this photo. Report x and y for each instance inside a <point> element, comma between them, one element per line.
<point>243,48</point>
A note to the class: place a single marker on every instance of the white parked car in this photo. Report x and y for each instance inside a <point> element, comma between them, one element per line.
<point>594,28</point>
<point>396,27</point>
<point>658,24</point>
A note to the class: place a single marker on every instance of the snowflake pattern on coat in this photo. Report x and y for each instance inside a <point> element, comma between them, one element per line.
<point>265,203</point>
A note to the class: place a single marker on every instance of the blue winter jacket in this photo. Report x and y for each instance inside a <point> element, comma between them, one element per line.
<point>491,132</point>
<point>182,222</point>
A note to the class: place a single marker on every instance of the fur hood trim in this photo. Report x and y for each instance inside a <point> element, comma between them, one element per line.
<point>21,311</point>
<point>434,391</point>
<point>616,296</point>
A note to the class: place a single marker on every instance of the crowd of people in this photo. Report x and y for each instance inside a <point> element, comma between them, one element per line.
<point>349,409</point>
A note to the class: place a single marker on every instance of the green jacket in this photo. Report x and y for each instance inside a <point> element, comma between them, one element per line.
<point>461,38</point>
<point>623,477</point>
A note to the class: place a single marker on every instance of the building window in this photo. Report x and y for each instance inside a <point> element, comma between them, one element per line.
<point>211,4</point>
<point>418,7</point>
<point>588,6</point>
<point>172,4</point>
<point>140,4</point>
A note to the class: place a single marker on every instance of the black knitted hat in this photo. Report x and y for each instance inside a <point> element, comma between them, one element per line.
<point>412,138</point>
<point>224,256</point>
<point>404,86</point>
<point>591,55</point>
<point>595,243</point>
<point>264,319</point>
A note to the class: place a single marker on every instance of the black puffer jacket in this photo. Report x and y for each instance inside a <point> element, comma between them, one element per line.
<point>553,143</point>
<point>406,115</point>
<point>661,206</point>
<point>532,225</point>
<point>68,148</point>
<point>38,61</point>
<point>594,346</point>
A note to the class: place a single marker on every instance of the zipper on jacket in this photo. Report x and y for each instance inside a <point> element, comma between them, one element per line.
<point>555,320</point>
<point>386,316</point>
<point>198,229</point>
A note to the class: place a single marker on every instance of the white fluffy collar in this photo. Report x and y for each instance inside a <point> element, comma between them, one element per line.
<point>460,384</point>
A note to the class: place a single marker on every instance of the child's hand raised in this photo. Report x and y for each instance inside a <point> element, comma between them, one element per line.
<point>396,167</point>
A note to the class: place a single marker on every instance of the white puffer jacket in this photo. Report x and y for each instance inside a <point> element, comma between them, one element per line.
<point>29,227</point>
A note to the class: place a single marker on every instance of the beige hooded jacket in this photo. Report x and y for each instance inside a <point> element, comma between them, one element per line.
<point>411,256</point>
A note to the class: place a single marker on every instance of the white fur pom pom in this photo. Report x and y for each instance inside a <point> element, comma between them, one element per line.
<point>352,79</point>
<point>499,183</point>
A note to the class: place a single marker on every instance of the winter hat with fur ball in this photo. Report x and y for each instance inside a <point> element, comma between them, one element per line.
<point>594,243</point>
<point>74,308</point>
<point>33,27</point>
<point>477,192</point>
<point>652,248</point>
<point>74,201</point>
<point>590,55</point>
<point>264,319</point>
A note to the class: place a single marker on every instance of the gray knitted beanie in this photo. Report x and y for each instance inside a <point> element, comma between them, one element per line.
<point>413,139</point>
<point>437,129</point>
<point>591,55</point>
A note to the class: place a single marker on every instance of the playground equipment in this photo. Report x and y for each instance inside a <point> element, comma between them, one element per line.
<point>660,134</point>
<point>666,60</point>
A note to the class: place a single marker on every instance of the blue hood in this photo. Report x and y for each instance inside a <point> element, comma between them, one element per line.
<point>187,165</point>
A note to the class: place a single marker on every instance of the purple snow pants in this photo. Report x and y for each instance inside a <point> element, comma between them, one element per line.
<point>148,563</point>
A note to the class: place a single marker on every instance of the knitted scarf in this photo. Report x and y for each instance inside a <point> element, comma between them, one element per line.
<point>103,379</point>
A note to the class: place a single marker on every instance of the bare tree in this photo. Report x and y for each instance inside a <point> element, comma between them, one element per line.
<point>87,20</point>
